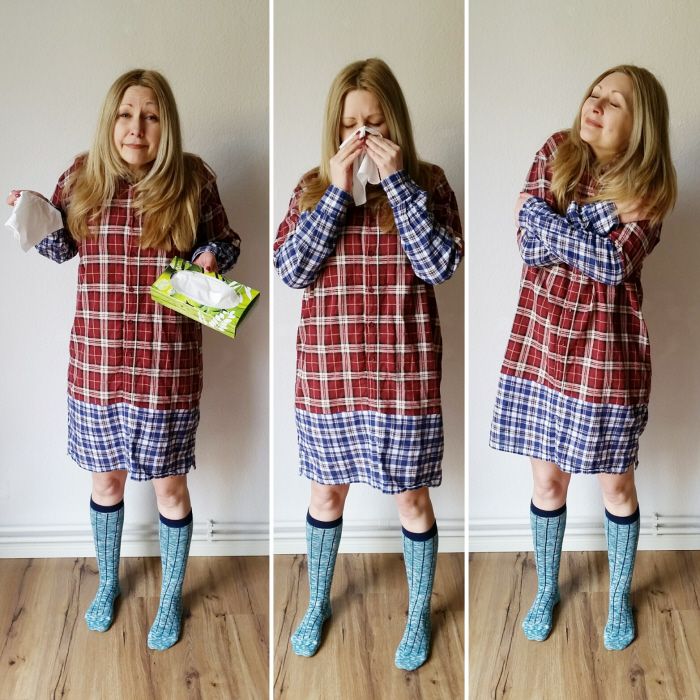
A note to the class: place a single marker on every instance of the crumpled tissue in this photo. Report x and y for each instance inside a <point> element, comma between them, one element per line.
<point>363,169</point>
<point>32,219</point>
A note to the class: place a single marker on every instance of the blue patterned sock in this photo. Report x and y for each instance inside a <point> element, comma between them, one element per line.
<point>420,558</point>
<point>322,540</point>
<point>547,537</point>
<point>622,535</point>
<point>175,537</point>
<point>107,524</point>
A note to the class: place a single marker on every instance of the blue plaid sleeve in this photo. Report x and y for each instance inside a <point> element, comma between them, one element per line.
<point>60,245</point>
<point>306,239</point>
<point>225,252</point>
<point>580,238</point>
<point>533,251</point>
<point>214,235</point>
<point>431,237</point>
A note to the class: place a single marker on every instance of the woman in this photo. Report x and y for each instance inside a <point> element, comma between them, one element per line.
<point>135,376</point>
<point>574,385</point>
<point>369,344</point>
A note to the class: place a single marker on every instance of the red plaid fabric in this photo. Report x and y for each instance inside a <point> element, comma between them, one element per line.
<point>369,337</point>
<point>582,338</point>
<point>123,346</point>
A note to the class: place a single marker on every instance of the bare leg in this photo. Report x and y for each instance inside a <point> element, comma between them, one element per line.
<point>547,521</point>
<point>324,525</point>
<point>175,537</point>
<point>107,521</point>
<point>622,535</point>
<point>415,510</point>
<point>420,547</point>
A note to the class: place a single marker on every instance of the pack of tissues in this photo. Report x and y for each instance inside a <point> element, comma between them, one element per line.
<point>207,297</point>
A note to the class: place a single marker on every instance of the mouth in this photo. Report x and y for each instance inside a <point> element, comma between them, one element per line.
<point>590,122</point>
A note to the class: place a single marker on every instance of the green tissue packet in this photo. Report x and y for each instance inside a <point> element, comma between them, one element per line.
<point>186,288</point>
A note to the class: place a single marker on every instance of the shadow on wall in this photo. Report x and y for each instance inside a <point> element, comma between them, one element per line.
<point>671,442</point>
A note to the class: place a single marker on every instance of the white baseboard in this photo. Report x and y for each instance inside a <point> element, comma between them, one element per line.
<point>366,536</point>
<point>665,532</point>
<point>210,539</point>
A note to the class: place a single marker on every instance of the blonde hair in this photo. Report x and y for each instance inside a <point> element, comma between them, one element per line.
<point>167,195</point>
<point>644,172</point>
<point>376,77</point>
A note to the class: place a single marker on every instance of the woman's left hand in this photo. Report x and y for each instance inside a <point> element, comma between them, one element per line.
<point>385,154</point>
<point>207,261</point>
<point>522,198</point>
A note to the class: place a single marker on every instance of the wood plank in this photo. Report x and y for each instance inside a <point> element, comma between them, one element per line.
<point>356,658</point>
<point>47,651</point>
<point>662,663</point>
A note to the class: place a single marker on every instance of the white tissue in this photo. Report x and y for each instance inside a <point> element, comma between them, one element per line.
<point>363,169</point>
<point>205,289</point>
<point>32,219</point>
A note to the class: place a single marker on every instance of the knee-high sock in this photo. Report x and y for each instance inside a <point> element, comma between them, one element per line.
<point>107,524</point>
<point>547,537</point>
<point>175,538</point>
<point>322,541</point>
<point>622,535</point>
<point>420,558</point>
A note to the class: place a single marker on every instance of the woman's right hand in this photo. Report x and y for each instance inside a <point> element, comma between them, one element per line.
<point>341,164</point>
<point>14,196</point>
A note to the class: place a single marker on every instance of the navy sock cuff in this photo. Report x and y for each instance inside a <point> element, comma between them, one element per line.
<point>421,536</point>
<point>182,522</point>
<point>324,524</point>
<point>623,519</point>
<point>106,509</point>
<point>547,513</point>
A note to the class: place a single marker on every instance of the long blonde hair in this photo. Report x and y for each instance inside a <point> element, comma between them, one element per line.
<point>375,76</point>
<point>167,196</point>
<point>643,172</point>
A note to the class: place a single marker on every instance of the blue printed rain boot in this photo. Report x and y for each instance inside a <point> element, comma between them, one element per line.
<point>322,540</point>
<point>622,535</point>
<point>175,538</point>
<point>420,557</point>
<point>547,537</point>
<point>107,524</point>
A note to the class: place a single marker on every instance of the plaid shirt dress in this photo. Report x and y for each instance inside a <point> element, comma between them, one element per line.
<point>574,385</point>
<point>369,344</point>
<point>135,371</point>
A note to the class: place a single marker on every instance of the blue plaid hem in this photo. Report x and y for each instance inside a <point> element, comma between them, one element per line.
<point>148,444</point>
<point>389,452</point>
<point>579,437</point>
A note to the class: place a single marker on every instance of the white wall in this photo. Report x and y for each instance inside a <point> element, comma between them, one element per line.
<point>529,65</point>
<point>423,43</point>
<point>58,62</point>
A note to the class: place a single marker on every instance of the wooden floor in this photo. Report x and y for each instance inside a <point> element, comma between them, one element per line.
<point>356,658</point>
<point>662,663</point>
<point>46,651</point>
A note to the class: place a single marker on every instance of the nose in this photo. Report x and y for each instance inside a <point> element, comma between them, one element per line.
<point>136,126</point>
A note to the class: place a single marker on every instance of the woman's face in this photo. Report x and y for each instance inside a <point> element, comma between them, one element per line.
<point>606,116</point>
<point>137,129</point>
<point>361,108</point>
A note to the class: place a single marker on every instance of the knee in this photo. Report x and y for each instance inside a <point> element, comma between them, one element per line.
<point>170,493</point>
<point>413,504</point>
<point>551,489</point>
<point>107,487</point>
<point>618,492</point>
<point>328,499</point>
